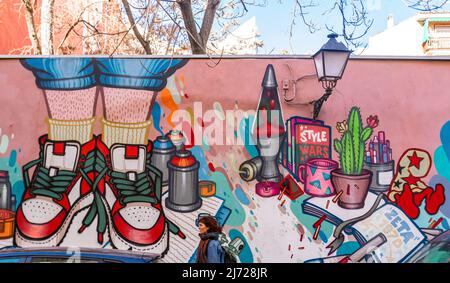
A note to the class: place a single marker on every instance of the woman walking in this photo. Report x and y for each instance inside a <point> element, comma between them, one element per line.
<point>209,249</point>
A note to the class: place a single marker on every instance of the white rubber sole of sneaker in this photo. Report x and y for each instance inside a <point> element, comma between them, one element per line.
<point>58,237</point>
<point>159,248</point>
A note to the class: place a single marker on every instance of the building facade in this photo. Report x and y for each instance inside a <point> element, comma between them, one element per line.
<point>425,34</point>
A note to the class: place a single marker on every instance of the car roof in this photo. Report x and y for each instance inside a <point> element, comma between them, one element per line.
<point>98,253</point>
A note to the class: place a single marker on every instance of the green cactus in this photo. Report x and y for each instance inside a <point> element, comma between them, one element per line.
<point>355,127</point>
<point>367,132</point>
<point>352,144</point>
<point>347,155</point>
<point>338,146</point>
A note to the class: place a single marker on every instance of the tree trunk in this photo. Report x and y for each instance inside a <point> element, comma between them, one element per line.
<point>135,28</point>
<point>208,20</point>
<point>190,26</point>
<point>198,40</point>
<point>47,26</point>
<point>29,18</point>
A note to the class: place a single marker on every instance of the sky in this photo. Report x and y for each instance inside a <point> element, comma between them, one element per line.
<point>274,23</point>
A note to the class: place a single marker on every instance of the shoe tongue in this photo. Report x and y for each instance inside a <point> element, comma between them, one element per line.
<point>61,156</point>
<point>128,158</point>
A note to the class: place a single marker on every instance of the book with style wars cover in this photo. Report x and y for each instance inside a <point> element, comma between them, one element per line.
<point>305,139</point>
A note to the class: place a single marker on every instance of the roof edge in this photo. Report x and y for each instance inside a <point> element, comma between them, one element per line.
<point>219,57</point>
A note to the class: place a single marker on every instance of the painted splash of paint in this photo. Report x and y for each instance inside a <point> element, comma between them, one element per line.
<point>347,248</point>
<point>323,236</point>
<point>18,188</point>
<point>237,217</point>
<point>442,163</point>
<point>445,138</point>
<point>168,102</point>
<point>12,158</point>
<point>246,255</point>
<point>211,167</point>
<point>173,89</point>
<point>241,196</point>
<point>247,138</point>
<point>156,115</point>
<point>4,142</point>
<point>205,145</point>
<point>225,173</point>
<point>199,154</point>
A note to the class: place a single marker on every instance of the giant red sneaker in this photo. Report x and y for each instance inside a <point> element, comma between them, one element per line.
<point>59,189</point>
<point>130,189</point>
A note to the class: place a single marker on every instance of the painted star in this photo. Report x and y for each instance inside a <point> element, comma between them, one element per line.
<point>397,184</point>
<point>415,160</point>
<point>400,169</point>
<point>411,180</point>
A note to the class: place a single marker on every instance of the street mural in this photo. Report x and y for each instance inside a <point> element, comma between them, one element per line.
<point>130,180</point>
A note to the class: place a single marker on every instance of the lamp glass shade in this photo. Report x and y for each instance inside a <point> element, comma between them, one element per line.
<point>318,61</point>
<point>330,65</point>
<point>331,60</point>
<point>335,63</point>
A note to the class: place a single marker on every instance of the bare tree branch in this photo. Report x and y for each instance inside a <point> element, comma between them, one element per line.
<point>355,23</point>
<point>29,17</point>
<point>426,5</point>
<point>136,31</point>
<point>191,27</point>
<point>47,26</point>
<point>208,20</point>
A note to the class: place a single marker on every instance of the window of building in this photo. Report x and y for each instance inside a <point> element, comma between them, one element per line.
<point>442,30</point>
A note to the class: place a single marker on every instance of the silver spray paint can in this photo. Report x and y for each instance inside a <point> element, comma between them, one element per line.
<point>5,191</point>
<point>236,246</point>
<point>251,169</point>
<point>184,195</point>
<point>163,150</point>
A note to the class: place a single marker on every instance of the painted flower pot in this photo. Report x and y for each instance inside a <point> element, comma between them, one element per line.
<point>382,176</point>
<point>353,189</point>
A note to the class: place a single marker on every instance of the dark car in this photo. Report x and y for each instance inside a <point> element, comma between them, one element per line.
<point>436,251</point>
<point>73,255</point>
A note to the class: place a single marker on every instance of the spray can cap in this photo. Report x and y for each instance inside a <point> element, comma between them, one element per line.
<point>163,142</point>
<point>183,159</point>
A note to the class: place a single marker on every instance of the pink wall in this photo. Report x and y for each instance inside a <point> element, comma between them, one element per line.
<point>410,97</point>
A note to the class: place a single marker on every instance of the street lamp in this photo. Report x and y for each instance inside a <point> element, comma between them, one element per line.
<point>330,62</point>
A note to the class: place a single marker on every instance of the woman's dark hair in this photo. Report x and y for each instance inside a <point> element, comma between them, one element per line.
<point>211,223</point>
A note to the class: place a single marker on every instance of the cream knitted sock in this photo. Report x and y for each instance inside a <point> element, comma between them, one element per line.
<point>66,130</point>
<point>125,133</point>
